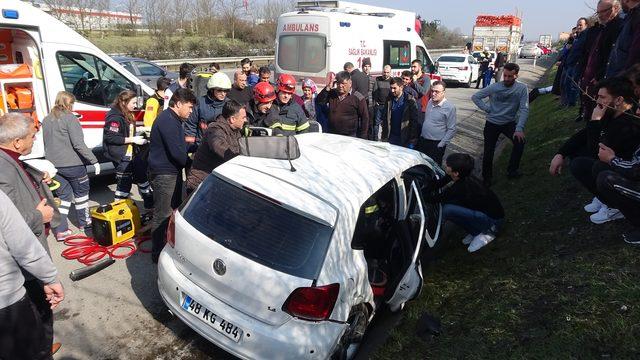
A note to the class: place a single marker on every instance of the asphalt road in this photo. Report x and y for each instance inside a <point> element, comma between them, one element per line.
<point>118,313</point>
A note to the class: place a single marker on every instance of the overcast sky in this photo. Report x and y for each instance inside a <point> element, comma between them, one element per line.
<point>539,16</point>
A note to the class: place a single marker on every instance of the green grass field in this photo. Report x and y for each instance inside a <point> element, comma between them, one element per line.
<point>552,285</point>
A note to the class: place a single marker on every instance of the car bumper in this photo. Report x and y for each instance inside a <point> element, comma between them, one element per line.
<point>295,339</point>
<point>461,78</point>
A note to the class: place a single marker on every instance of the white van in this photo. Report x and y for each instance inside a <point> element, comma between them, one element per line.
<point>322,35</point>
<point>57,59</point>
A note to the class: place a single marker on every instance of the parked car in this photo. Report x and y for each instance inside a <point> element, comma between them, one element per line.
<point>545,50</point>
<point>459,68</point>
<point>530,51</point>
<point>145,70</point>
<point>268,258</point>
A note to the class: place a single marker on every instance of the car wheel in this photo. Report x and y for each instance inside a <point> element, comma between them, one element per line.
<point>350,342</point>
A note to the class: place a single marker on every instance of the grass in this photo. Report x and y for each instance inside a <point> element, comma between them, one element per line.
<point>552,285</point>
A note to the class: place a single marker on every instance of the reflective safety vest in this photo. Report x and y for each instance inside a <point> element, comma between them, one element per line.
<point>151,111</point>
<point>287,119</point>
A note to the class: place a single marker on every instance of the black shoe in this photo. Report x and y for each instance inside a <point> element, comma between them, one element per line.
<point>514,175</point>
<point>632,237</point>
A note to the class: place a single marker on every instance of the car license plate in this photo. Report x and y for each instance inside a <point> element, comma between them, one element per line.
<point>215,321</point>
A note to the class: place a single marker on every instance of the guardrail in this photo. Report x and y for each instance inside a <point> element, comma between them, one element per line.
<point>235,61</point>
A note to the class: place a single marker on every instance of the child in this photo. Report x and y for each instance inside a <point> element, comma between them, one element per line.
<point>487,76</point>
<point>253,77</point>
<point>468,203</point>
<point>309,91</point>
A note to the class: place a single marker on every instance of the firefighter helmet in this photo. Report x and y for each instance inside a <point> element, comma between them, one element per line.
<point>286,83</point>
<point>263,93</point>
<point>219,81</point>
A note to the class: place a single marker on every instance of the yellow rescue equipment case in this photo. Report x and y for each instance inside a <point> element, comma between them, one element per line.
<point>116,222</point>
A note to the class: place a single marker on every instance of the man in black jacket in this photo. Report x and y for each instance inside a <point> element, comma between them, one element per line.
<point>381,92</point>
<point>612,126</point>
<point>358,78</point>
<point>167,158</point>
<point>467,202</point>
<point>348,112</point>
<point>402,121</point>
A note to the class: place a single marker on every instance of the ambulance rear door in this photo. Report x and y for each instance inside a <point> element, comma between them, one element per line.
<point>302,46</point>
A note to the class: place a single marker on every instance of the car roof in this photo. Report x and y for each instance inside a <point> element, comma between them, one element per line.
<point>455,54</point>
<point>127,58</point>
<point>334,174</point>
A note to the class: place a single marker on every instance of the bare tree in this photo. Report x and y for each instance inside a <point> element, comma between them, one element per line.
<point>133,7</point>
<point>155,14</point>
<point>231,11</point>
<point>180,11</point>
<point>82,20</point>
<point>272,9</point>
<point>204,15</point>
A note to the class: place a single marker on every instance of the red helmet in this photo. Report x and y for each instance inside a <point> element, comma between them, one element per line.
<point>287,83</point>
<point>263,93</point>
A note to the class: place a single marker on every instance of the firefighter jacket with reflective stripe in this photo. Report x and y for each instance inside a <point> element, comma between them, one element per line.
<point>287,119</point>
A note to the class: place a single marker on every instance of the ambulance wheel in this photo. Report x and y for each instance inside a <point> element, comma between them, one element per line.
<point>350,342</point>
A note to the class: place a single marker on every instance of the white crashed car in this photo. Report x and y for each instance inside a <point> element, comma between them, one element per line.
<point>265,258</point>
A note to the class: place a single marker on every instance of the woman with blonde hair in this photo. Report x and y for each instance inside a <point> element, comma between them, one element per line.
<point>121,145</point>
<point>65,147</point>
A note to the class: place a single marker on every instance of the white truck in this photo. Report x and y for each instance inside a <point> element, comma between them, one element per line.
<point>40,56</point>
<point>320,36</point>
<point>499,34</point>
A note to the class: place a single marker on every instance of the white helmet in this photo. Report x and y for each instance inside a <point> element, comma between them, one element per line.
<point>219,81</point>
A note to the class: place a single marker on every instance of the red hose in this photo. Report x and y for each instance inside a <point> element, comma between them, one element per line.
<point>87,251</point>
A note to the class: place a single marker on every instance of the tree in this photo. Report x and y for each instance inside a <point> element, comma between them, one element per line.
<point>271,10</point>
<point>231,10</point>
<point>133,8</point>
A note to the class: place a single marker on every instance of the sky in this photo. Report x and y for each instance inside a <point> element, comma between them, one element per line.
<point>538,16</point>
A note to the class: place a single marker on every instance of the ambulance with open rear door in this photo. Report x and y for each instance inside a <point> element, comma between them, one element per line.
<point>40,56</point>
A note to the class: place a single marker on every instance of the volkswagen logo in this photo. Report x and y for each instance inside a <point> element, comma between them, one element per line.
<point>219,267</point>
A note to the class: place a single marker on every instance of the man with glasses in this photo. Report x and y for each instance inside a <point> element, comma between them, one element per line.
<point>348,111</point>
<point>208,108</point>
<point>439,125</point>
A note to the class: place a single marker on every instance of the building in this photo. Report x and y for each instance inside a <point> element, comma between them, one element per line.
<point>87,19</point>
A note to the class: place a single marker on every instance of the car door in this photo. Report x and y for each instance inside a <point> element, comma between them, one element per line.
<point>413,224</point>
<point>475,68</point>
<point>148,72</point>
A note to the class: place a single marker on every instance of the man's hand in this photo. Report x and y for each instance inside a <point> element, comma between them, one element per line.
<point>45,210</point>
<point>598,113</point>
<point>331,77</point>
<point>518,135</point>
<point>54,293</point>
<point>556,165</point>
<point>605,153</point>
<point>46,178</point>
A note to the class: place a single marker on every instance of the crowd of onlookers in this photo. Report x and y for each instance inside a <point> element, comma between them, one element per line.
<point>599,74</point>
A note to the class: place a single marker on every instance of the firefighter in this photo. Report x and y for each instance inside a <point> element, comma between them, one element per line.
<point>120,145</point>
<point>155,103</point>
<point>286,117</point>
<point>209,107</point>
<point>260,106</point>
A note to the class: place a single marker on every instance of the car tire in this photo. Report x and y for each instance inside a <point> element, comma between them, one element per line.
<point>468,83</point>
<point>357,324</point>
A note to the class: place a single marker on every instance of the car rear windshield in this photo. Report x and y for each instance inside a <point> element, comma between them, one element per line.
<point>451,59</point>
<point>258,228</point>
<point>303,53</point>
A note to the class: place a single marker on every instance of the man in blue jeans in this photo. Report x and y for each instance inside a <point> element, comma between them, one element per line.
<point>467,202</point>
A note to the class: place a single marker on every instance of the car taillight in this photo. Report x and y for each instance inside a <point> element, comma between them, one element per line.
<point>171,230</point>
<point>312,303</point>
<point>463,68</point>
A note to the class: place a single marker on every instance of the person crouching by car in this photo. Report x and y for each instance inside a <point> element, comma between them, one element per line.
<point>118,140</point>
<point>219,143</point>
<point>467,202</point>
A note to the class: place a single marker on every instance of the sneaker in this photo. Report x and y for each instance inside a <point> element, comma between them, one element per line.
<point>594,206</point>
<point>632,237</point>
<point>480,241</point>
<point>467,239</point>
<point>62,236</point>
<point>606,214</point>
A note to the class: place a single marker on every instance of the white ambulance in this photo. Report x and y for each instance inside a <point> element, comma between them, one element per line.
<point>40,56</point>
<point>322,35</point>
